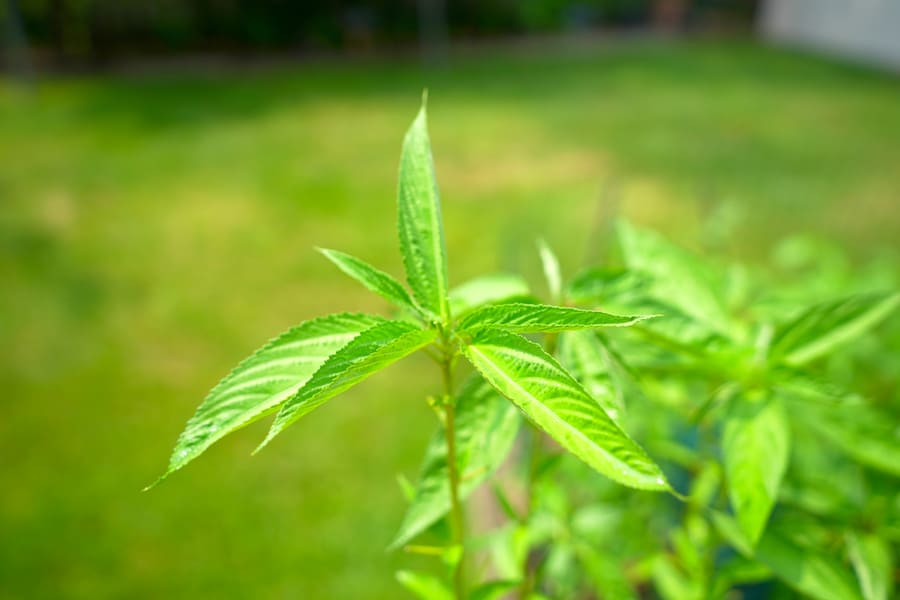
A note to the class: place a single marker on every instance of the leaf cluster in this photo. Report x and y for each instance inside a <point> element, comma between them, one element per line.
<point>740,393</point>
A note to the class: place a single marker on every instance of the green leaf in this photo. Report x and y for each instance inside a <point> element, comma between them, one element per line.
<point>373,279</point>
<point>488,289</point>
<point>552,273</point>
<point>731,531</point>
<point>827,326</point>
<point>542,318</point>
<point>555,402</point>
<point>421,230</point>
<point>872,561</point>
<point>678,278</point>
<point>806,569</point>
<point>606,573</point>
<point>596,285</point>
<point>493,590</point>
<point>486,426</point>
<point>264,380</point>
<point>598,369</point>
<point>737,571</point>
<point>369,352</point>
<point>671,583</point>
<point>755,447</point>
<point>868,435</point>
<point>425,587</point>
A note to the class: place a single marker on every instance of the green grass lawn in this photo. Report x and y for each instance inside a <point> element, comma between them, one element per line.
<point>156,229</point>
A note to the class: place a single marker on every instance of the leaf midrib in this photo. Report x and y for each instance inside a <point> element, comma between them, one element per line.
<point>555,418</point>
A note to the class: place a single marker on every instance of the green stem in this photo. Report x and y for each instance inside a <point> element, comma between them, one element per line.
<point>456,514</point>
<point>534,458</point>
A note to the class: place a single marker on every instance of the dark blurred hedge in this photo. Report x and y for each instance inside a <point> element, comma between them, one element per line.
<point>96,30</point>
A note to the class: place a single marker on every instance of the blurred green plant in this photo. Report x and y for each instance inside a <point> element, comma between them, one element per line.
<point>789,477</point>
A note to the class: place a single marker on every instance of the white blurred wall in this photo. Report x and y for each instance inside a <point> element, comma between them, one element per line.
<point>866,30</point>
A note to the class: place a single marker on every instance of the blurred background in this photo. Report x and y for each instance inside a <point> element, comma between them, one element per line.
<point>167,167</point>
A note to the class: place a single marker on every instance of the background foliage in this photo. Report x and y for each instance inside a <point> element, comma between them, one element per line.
<point>99,30</point>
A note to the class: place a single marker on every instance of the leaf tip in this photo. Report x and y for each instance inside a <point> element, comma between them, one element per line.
<point>158,481</point>
<point>639,318</point>
<point>275,430</point>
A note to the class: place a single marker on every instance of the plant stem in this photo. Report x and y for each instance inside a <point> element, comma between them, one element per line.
<point>534,459</point>
<point>456,514</point>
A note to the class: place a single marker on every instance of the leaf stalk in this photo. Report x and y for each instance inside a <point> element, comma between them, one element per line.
<point>456,514</point>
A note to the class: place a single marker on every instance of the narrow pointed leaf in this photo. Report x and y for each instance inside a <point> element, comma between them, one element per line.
<point>827,326</point>
<point>369,352</point>
<point>872,561</point>
<point>808,570</point>
<point>264,380</point>
<point>488,289</point>
<point>755,450</point>
<point>373,279</point>
<point>523,372</point>
<point>424,586</point>
<point>678,278</point>
<point>597,285</point>
<point>599,370</point>
<point>868,435</point>
<point>494,590</point>
<point>552,272</point>
<point>542,318</point>
<point>419,220</point>
<point>486,426</point>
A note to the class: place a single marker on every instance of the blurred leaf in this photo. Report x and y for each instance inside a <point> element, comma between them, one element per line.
<point>486,427</point>
<point>559,570</point>
<point>829,325</point>
<point>872,561</point>
<point>606,574</point>
<point>369,352</point>
<point>690,555</point>
<point>556,403</point>
<point>508,547</point>
<point>755,448</point>
<point>265,380</point>
<point>597,285</point>
<point>419,221</point>
<point>671,583</point>
<point>730,529</point>
<point>542,318</point>
<point>489,289</point>
<point>583,354</point>
<point>373,279</point>
<point>505,503</point>
<point>493,590</point>
<point>737,571</point>
<point>552,273</point>
<point>679,279</point>
<point>423,586</point>
<point>705,485</point>
<point>806,569</point>
<point>406,487</point>
<point>866,434</point>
